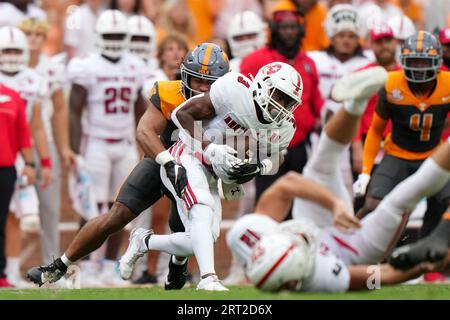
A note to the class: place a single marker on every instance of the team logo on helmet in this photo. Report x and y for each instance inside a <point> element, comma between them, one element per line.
<point>272,68</point>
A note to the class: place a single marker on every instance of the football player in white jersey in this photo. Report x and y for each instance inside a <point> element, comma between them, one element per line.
<point>14,56</point>
<point>143,44</point>
<point>247,33</point>
<point>330,259</point>
<point>235,108</point>
<point>56,121</point>
<point>343,56</point>
<point>107,86</point>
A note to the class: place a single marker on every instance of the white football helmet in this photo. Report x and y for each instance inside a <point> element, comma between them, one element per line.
<point>112,33</point>
<point>243,24</point>
<point>272,80</point>
<point>343,17</point>
<point>13,39</point>
<point>142,36</point>
<point>280,261</point>
<point>402,27</point>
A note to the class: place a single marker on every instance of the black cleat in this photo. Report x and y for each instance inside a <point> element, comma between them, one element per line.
<point>177,277</point>
<point>425,250</point>
<point>47,274</point>
<point>146,278</point>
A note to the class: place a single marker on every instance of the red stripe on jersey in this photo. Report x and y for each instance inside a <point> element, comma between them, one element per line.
<point>344,244</point>
<point>191,193</point>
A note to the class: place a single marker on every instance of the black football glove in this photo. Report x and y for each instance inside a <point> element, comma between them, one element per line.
<point>177,176</point>
<point>244,172</point>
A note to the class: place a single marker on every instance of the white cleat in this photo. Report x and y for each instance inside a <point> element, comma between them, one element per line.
<point>136,249</point>
<point>359,85</point>
<point>211,283</point>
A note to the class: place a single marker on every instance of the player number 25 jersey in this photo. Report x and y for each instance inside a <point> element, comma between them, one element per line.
<point>113,89</point>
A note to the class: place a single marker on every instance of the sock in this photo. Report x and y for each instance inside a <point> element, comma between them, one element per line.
<point>12,266</point>
<point>178,262</point>
<point>201,217</point>
<point>65,260</point>
<point>177,244</point>
<point>328,149</point>
<point>425,182</point>
<point>356,107</point>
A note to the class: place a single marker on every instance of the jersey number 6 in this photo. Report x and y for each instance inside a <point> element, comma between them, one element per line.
<point>423,123</point>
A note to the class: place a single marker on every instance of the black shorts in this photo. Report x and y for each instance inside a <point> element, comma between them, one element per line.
<point>143,188</point>
<point>391,171</point>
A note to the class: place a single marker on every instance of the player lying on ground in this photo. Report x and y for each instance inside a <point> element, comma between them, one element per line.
<point>143,186</point>
<point>236,108</point>
<point>329,259</point>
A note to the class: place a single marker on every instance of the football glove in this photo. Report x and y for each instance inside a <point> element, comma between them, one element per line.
<point>360,185</point>
<point>222,158</point>
<point>245,171</point>
<point>175,172</point>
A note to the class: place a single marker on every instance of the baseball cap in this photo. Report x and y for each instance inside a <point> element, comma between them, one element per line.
<point>444,35</point>
<point>381,31</point>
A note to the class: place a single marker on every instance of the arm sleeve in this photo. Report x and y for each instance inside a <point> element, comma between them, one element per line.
<point>375,134</point>
<point>23,129</point>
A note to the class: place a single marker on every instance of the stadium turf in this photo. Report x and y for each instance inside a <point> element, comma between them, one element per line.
<point>236,293</point>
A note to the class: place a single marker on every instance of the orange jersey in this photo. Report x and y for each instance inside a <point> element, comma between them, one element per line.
<point>417,122</point>
<point>166,96</point>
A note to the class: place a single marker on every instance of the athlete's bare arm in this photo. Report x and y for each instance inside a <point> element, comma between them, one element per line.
<point>40,138</point>
<point>139,107</point>
<point>151,125</point>
<point>195,109</point>
<point>276,201</point>
<point>77,101</point>
<point>60,126</point>
<point>362,276</point>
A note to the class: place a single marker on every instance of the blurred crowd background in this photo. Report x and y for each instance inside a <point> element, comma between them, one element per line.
<point>318,54</point>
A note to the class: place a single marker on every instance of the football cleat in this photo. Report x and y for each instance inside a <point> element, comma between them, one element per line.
<point>425,250</point>
<point>359,85</point>
<point>211,283</point>
<point>177,277</point>
<point>136,249</point>
<point>47,274</point>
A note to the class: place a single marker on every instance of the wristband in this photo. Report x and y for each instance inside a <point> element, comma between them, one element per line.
<point>163,157</point>
<point>46,163</point>
<point>266,166</point>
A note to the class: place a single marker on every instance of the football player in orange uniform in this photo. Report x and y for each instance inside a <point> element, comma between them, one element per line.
<point>143,187</point>
<point>417,101</point>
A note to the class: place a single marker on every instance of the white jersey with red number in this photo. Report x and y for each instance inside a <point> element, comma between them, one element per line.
<point>329,274</point>
<point>54,71</point>
<point>330,70</point>
<point>237,115</point>
<point>113,89</point>
<point>31,86</point>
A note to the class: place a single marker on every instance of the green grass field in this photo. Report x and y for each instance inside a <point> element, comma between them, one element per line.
<point>236,293</point>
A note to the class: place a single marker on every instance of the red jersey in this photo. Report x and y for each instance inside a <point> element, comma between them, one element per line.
<point>15,132</point>
<point>307,114</point>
